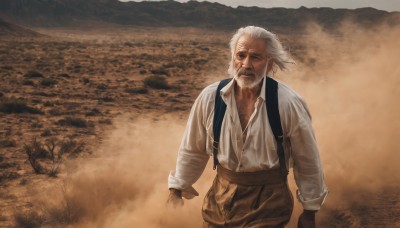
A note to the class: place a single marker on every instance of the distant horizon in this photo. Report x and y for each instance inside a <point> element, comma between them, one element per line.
<point>386,5</point>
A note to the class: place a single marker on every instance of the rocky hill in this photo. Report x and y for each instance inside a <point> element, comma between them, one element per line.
<point>61,13</point>
<point>9,29</point>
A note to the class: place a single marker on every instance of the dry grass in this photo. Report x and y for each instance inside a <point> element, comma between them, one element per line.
<point>78,85</point>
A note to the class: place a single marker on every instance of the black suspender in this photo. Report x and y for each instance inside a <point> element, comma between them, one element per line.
<point>219,113</point>
<point>271,94</point>
<point>274,119</point>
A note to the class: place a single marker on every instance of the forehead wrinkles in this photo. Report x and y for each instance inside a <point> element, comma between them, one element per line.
<point>251,45</point>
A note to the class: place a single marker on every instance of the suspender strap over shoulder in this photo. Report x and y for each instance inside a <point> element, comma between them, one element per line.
<point>271,94</point>
<point>219,113</point>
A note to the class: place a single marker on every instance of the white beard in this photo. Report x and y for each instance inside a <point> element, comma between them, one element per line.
<point>249,84</point>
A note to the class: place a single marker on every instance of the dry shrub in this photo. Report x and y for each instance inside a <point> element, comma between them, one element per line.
<point>93,112</point>
<point>52,150</point>
<point>137,90</point>
<point>74,122</point>
<point>28,82</point>
<point>33,74</point>
<point>160,71</point>
<point>47,82</point>
<point>35,151</point>
<point>29,219</point>
<point>7,143</point>
<point>16,105</point>
<point>157,82</point>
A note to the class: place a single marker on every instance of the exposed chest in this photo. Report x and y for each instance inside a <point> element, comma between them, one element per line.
<point>245,109</point>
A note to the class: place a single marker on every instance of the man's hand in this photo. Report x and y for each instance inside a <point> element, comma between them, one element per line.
<point>175,198</point>
<point>307,219</point>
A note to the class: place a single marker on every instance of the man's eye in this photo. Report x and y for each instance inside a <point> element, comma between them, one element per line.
<point>240,56</point>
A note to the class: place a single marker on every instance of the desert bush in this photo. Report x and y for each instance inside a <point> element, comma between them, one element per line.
<point>55,157</point>
<point>173,99</point>
<point>77,68</point>
<point>200,61</point>
<point>48,104</point>
<point>36,125</point>
<point>43,94</point>
<point>106,121</point>
<point>204,48</point>
<point>7,68</point>
<point>8,143</point>
<point>74,121</point>
<point>107,99</point>
<point>34,151</point>
<point>15,105</point>
<point>85,80</point>
<point>93,112</point>
<point>71,147</point>
<point>46,133</point>
<point>137,90</point>
<point>53,151</point>
<point>160,71</point>
<point>28,82</point>
<point>129,44</point>
<point>102,86</point>
<point>157,82</point>
<point>64,75</point>
<point>36,100</point>
<point>55,112</point>
<point>181,65</point>
<point>29,219</point>
<point>33,74</point>
<point>48,82</point>
<point>28,59</point>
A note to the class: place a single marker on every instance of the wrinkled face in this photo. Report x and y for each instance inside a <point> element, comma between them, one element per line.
<point>250,61</point>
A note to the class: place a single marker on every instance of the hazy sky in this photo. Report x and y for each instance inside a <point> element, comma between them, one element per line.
<point>388,5</point>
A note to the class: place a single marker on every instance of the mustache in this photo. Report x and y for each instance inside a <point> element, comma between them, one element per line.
<point>245,72</point>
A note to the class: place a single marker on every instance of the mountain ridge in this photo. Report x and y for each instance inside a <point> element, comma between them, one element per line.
<point>9,29</point>
<point>71,13</point>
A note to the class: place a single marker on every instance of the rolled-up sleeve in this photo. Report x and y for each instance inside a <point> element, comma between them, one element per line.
<point>192,156</point>
<point>307,167</point>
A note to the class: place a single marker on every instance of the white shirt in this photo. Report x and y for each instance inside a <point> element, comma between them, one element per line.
<point>256,150</point>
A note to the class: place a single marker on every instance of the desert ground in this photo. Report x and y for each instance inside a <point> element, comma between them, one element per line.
<point>91,120</point>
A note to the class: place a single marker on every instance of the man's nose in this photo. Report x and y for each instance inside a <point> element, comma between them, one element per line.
<point>246,63</point>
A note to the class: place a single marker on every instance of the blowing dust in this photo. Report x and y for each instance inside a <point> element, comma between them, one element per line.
<point>351,82</point>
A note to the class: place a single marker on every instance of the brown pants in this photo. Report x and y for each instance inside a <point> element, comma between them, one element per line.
<point>257,199</point>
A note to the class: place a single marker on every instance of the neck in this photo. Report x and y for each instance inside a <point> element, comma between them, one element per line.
<point>248,93</point>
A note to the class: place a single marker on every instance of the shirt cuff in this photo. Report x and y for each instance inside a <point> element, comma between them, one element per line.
<point>312,204</point>
<point>188,191</point>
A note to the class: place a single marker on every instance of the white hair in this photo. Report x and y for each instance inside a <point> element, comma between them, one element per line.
<point>275,50</point>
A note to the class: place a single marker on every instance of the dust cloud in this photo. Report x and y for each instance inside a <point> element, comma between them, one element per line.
<point>350,79</point>
<point>125,185</point>
<point>352,85</point>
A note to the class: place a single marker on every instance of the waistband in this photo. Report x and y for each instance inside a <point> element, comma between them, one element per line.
<point>263,177</point>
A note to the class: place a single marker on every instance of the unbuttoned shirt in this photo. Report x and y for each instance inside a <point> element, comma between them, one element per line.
<point>255,148</point>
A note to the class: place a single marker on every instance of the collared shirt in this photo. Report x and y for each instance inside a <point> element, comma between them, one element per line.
<point>255,148</point>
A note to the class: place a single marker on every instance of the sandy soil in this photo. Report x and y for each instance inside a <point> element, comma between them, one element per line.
<point>96,77</point>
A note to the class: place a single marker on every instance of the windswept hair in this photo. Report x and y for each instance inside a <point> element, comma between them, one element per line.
<point>275,50</point>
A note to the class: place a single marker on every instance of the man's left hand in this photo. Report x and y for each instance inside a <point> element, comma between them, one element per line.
<point>307,219</point>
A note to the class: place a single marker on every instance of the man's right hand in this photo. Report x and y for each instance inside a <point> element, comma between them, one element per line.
<point>175,198</point>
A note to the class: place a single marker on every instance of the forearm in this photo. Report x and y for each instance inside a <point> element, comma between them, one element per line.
<point>307,167</point>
